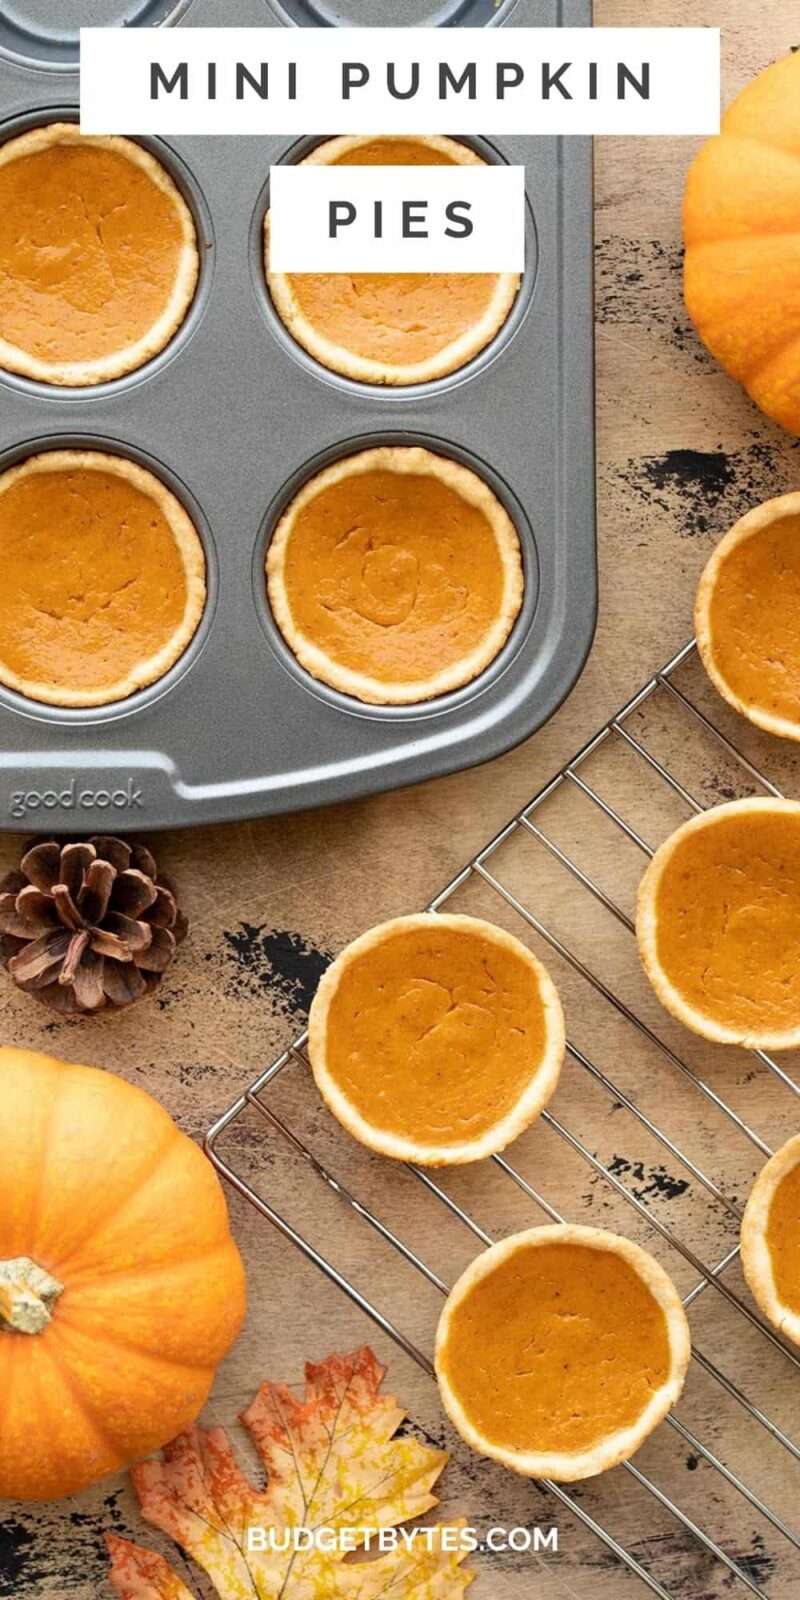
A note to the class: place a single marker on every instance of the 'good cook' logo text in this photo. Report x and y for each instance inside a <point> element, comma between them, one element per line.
<point>75,798</point>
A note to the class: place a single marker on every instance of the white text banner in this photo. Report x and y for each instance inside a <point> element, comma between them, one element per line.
<point>400,80</point>
<point>397,219</point>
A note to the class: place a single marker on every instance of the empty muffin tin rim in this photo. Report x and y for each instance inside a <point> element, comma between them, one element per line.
<point>523,623</point>
<point>68,62</point>
<point>88,716</point>
<point>521,308</point>
<point>288,12</point>
<point>16,124</point>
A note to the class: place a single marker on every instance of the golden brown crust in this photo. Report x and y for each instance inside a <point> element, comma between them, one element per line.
<point>81,374</point>
<point>647,932</point>
<point>190,549</point>
<point>362,368</point>
<point>562,1466</point>
<point>748,527</point>
<point>373,691</point>
<point>544,1075</point>
<point>756,1258</point>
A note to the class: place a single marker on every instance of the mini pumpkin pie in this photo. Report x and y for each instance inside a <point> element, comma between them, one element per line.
<point>103,578</point>
<point>98,256</point>
<point>395,575</point>
<point>771,1240</point>
<point>392,327</point>
<point>747,616</point>
<point>436,1039</point>
<point>718,923</point>
<point>559,1351</point>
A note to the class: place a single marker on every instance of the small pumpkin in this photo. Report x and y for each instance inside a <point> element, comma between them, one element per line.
<point>741,225</point>
<point>120,1286</point>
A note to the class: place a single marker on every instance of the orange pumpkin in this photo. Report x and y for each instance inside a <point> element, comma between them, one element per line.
<point>120,1286</point>
<point>742,234</point>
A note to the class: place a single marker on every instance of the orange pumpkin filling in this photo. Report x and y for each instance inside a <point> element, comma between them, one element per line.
<point>433,1034</point>
<point>754,619</point>
<point>396,577</point>
<point>783,1239</point>
<point>556,1348</point>
<point>728,920</point>
<point>94,585</point>
<point>90,249</point>
<point>396,319</point>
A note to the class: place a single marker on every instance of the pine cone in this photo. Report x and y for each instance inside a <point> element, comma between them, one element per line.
<point>88,924</point>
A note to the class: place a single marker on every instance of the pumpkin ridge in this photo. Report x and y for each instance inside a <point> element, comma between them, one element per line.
<point>117,1211</point>
<point>758,373</point>
<point>75,1388</point>
<point>740,238</point>
<point>84,1399</point>
<point>759,144</point>
<point>117,1342</point>
<point>90,1276</point>
<point>52,1096</point>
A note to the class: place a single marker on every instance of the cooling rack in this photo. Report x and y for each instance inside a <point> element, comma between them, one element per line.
<point>562,873</point>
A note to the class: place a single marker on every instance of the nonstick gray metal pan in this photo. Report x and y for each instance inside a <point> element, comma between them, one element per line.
<point>233,415</point>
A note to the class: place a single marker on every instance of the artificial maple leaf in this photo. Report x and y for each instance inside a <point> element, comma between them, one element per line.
<point>333,1462</point>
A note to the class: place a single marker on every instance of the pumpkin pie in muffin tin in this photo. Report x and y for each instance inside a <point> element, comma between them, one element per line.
<point>559,1350</point>
<point>771,1240</point>
<point>104,578</point>
<point>401,327</point>
<point>747,616</point>
<point>718,923</point>
<point>395,575</point>
<point>436,1039</point>
<point>98,256</point>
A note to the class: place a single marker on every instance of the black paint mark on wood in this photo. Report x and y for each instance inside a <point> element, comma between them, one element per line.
<point>648,1182</point>
<point>276,963</point>
<point>709,470</point>
<point>639,283</point>
<point>757,1562</point>
<point>706,491</point>
<point>16,1546</point>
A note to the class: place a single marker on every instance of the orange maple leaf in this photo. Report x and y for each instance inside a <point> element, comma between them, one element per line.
<point>333,1463</point>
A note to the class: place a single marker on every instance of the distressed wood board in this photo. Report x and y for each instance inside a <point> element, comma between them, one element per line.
<point>681,453</point>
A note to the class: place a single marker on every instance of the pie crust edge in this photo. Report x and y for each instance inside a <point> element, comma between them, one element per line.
<point>567,1466</point>
<point>544,1076</point>
<point>414,459</point>
<point>748,527</point>
<point>756,1258</point>
<point>190,549</point>
<point>647,932</point>
<point>364,369</point>
<point>116,364</point>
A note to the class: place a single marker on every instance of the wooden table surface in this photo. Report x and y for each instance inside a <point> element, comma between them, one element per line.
<point>681,453</point>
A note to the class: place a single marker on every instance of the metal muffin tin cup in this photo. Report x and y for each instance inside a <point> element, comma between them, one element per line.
<point>388,391</point>
<point>234,415</point>
<point>384,13</point>
<point>441,703</point>
<point>43,34</point>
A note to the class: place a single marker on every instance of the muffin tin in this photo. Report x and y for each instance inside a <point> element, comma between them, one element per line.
<point>233,415</point>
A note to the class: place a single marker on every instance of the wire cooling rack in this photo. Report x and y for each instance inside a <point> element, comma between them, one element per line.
<point>562,874</point>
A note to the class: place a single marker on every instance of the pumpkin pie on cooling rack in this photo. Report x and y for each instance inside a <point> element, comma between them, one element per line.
<point>771,1240</point>
<point>747,616</point>
<point>392,327</point>
<point>98,256</point>
<point>104,578</point>
<point>395,575</point>
<point>559,1350</point>
<point>718,923</point>
<point>436,1039</point>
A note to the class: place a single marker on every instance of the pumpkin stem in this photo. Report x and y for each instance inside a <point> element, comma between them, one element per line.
<point>27,1296</point>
